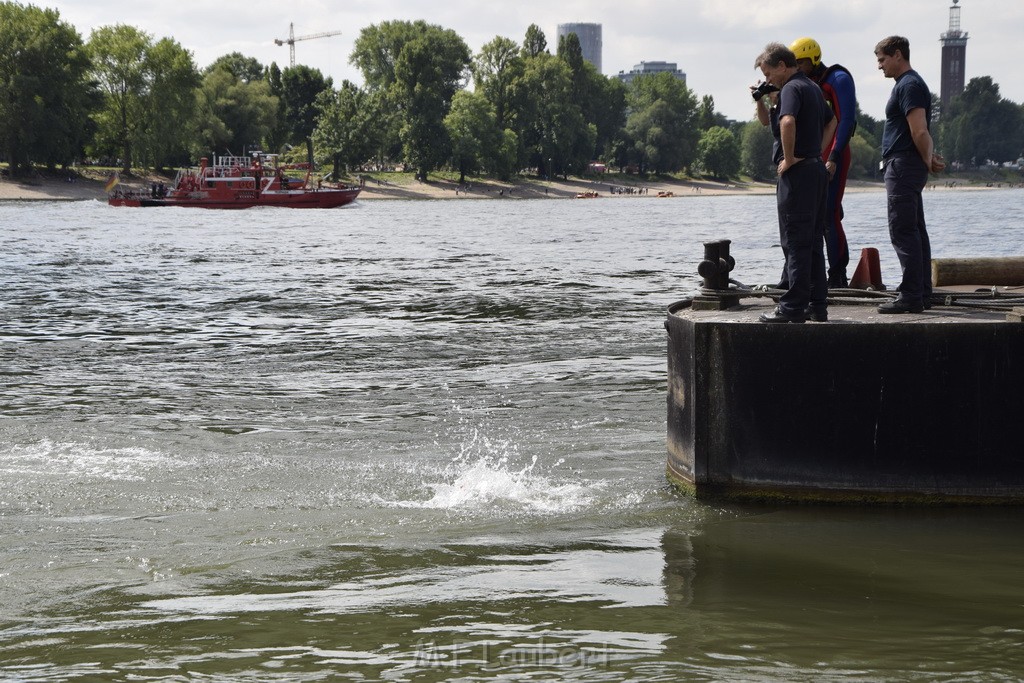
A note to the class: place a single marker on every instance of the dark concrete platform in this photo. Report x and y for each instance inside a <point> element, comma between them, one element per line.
<point>913,408</point>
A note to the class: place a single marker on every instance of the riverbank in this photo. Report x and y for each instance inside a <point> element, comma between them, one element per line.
<point>402,186</point>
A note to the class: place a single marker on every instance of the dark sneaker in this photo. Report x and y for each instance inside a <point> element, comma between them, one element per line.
<point>818,314</point>
<point>780,316</point>
<point>898,306</point>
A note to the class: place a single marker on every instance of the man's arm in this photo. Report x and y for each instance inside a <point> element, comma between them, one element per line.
<point>827,134</point>
<point>923,140</point>
<point>787,137</point>
<point>846,111</point>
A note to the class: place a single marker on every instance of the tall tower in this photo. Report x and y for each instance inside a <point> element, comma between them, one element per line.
<point>954,55</point>
<point>590,40</point>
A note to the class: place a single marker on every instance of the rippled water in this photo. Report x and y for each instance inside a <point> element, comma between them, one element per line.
<point>426,441</point>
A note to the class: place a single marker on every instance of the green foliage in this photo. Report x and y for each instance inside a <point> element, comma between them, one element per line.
<point>378,47</point>
<point>663,124</point>
<point>982,126</point>
<point>719,152</point>
<point>551,126</point>
<point>45,94</point>
<point>707,117</point>
<point>864,157</point>
<point>232,115</point>
<point>535,43</point>
<point>118,65</point>
<point>495,71</point>
<point>348,132</point>
<point>301,86</point>
<point>169,127</point>
<point>473,130</point>
<point>756,144</point>
<point>245,69</point>
<point>419,67</point>
<point>148,89</point>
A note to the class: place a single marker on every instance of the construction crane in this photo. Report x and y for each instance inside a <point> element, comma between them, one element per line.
<point>292,38</point>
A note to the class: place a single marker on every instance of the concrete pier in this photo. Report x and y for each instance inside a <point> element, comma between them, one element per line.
<point>915,408</point>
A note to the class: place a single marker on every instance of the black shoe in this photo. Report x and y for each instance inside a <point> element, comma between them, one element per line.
<point>780,316</point>
<point>899,306</point>
<point>838,281</point>
<point>818,314</point>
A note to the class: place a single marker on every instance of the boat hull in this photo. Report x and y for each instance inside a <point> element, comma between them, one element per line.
<point>312,199</point>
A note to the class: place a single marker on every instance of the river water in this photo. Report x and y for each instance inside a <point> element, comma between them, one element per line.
<point>425,441</point>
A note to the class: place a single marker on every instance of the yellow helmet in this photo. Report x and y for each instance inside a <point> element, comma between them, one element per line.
<point>807,48</point>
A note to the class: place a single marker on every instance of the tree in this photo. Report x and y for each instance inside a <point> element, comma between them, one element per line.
<point>495,70</point>
<point>608,112</point>
<point>169,125</point>
<point>719,152</point>
<point>707,117</point>
<point>418,67</point>
<point>864,157</point>
<point>120,67</point>
<point>429,71</point>
<point>550,122</point>
<point>348,128</point>
<point>245,69</point>
<point>301,87</point>
<point>663,123</point>
<point>473,130</point>
<point>45,94</point>
<point>233,115</point>
<point>756,144</point>
<point>535,43</point>
<point>982,126</point>
<point>378,47</point>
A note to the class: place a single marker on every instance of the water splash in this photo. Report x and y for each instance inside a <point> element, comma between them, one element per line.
<point>484,476</point>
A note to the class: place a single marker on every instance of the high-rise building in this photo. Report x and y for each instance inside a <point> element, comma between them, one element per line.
<point>647,68</point>
<point>590,40</point>
<point>954,54</point>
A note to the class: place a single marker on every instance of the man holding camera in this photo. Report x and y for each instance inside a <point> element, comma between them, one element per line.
<point>837,84</point>
<point>803,125</point>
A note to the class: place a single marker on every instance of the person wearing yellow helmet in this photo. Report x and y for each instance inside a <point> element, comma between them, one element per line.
<point>840,92</point>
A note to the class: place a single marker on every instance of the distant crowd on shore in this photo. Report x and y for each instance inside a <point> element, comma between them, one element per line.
<point>617,189</point>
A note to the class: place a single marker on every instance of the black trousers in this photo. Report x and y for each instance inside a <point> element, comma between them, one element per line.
<point>905,178</point>
<point>801,193</point>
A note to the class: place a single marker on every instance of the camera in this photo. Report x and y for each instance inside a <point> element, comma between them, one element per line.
<point>762,89</point>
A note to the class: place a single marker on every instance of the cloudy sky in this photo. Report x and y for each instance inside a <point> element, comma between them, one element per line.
<point>713,41</point>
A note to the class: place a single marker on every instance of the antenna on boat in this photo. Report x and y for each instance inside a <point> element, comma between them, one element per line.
<point>292,39</point>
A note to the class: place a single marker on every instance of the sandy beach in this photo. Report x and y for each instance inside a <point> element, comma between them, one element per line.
<point>625,187</point>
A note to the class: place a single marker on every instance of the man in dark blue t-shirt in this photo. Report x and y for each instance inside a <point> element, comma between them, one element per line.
<point>805,126</point>
<point>908,154</point>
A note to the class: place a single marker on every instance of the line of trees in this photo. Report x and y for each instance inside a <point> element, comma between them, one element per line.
<point>427,103</point>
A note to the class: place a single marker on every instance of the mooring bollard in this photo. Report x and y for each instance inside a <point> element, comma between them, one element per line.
<point>715,269</point>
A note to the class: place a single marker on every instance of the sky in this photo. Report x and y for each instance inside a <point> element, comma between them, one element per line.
<point>713,41</point>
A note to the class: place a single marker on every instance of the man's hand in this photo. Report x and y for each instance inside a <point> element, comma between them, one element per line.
<point>787,164</point>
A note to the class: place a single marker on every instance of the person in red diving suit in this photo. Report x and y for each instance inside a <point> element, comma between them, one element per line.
<point>841,94</point>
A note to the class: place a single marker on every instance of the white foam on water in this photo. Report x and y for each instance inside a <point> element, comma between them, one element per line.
<point>80,461</point>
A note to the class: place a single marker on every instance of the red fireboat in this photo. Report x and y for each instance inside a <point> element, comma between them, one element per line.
<point>238,183</point>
